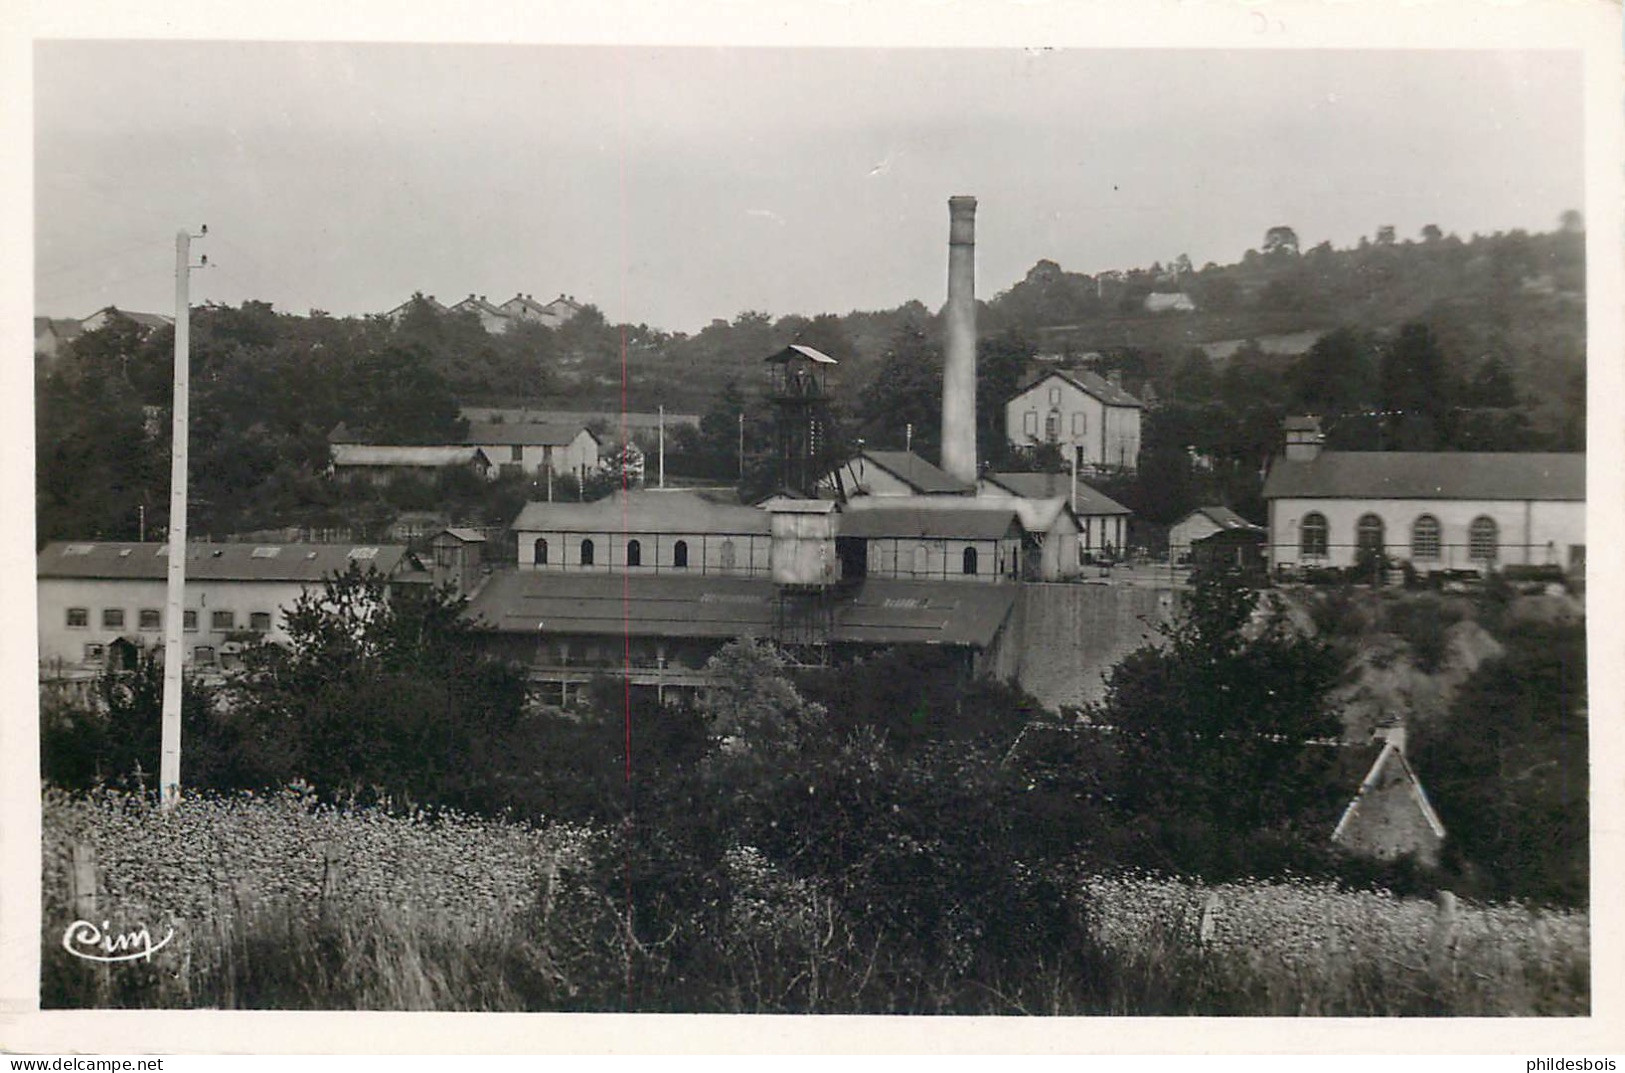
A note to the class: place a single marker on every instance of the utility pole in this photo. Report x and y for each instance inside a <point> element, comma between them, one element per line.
<point>662,445</point>
<point>169,759</point>
<point>741,445</point>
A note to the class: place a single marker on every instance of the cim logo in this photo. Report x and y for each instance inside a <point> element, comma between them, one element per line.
<point>84,939</point>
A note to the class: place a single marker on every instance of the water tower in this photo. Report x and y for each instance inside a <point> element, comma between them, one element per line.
<point>799,391</point>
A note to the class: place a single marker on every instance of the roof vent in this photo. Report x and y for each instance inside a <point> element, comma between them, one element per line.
<point>266,553</point>
<point>217,553</point>
<point>124,553</point>
<point>78,549</point>
<point>363,553</point>
<point>310,555</point>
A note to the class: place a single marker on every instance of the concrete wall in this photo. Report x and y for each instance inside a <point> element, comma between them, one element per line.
<point>1062,639</point>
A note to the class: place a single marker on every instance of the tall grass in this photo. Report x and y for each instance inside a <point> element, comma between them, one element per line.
<point>448,913</point>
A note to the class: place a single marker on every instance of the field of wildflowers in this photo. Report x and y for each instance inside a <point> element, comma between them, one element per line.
<point>1295,946</point>
<point>279,902</point>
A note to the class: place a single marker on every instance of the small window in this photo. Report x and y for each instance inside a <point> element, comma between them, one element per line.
<point>95,653</point>
<point>729,554</point>
<point>540,548</point>
<point>1483,540</point>
<point>223,620</point>
<point>1052,426</point>
<point>1029,423</point>
<point>969,564</point>
<point>1425,537</point>
<point>260,622</point>
<point>517,453</point>
<point>189,620</point>
<point>1080,423</point>
<point>79,617</point>
<point>113,618</point>
<point>922,561</point>
<point>586,553</point>
<point>1055,395</point>
<point>203,655</point>
<point>634,553</point>
<point>1312,536</point>
<point>679,555</point>
<point>150,619</point>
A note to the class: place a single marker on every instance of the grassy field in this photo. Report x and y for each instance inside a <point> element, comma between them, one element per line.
<point>280,903</point>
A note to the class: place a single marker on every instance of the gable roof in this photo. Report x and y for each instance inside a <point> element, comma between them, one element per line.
<point>215,562</point>
<point>1091,502</point>
<point>369,454</point>
<point>931,523</point>
<point>1389,768</point>
<point>479,305</point>
<point>1089,383</point>
<point>818,357</point>
<point>1223,517</point>
<point>1429,475</point>
<point>645,511</point>
<point>915,472</point>
<point>146,320</point>
<point>527,433</point>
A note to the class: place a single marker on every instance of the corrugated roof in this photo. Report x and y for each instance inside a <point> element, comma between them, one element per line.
<point>214,562</point>
<point>366,454</point>
<point>1089,382</point>
<point>817,356</point>
<point>1429,475</point>
<point>915,471</point>
<point>526,433</point>
<point>927,523</point>
<point>879,611</point>
<point>644,511</point>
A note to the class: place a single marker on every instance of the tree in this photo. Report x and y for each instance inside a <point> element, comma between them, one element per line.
<point>1507,769</point>
<point>906,390</point>
<point>382,689</point>
<point>1414,387</point>
<point>1385,235</point>
<point>1431,233</point>
<point>1281,239</point>
<point>1337,375</point>
<point>1213,722</point>
<point>1194,379</point>
<point>1000,364</point>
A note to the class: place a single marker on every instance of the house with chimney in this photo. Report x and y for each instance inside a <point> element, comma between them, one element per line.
<point>524,308</point>
<point>490,317</point>
<point>1436,510</point>
<point>396,315</point>
<point>1092,420</point>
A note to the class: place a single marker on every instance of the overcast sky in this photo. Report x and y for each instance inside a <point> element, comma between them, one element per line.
<point>671,186</point>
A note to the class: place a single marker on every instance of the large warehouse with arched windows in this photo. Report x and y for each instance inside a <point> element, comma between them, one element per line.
<point>1437,510</point>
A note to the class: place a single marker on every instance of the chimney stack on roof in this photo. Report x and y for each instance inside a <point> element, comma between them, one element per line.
<point>959,350</point>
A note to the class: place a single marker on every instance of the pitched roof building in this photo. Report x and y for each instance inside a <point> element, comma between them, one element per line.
<point>1435,510</point>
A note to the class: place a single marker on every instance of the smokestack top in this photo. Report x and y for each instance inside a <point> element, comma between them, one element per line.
<point>962,220</point>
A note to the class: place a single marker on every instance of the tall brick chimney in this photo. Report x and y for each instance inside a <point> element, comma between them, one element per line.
<point>959,349</point>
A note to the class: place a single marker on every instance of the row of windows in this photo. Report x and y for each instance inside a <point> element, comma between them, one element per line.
<point>634,553</point>
<point>204,655</point>
<point>151,619</point>
<point>1483,536</point>
<point>1052,424</point>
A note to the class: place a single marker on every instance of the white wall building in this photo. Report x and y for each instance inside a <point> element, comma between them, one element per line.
<point>1435,510</point>
<point>1095,423</point>
<point>537,446</point>
<point>102,602</point>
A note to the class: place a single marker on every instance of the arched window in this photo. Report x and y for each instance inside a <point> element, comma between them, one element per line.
<point>969,566</point>
<point>634,553</point>
<point>1483,539</point>
<point>1312,535</point>
<point>541,551</point>
<point>1425,537</point>
<point>729,554</point>
<point>586,552</point>
<point>1368,534</point>
<point>679,555</point>
<point>922,561</point>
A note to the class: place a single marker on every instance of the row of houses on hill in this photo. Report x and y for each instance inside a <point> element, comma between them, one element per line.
<point>51,334</point>
<point>520,309</point>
